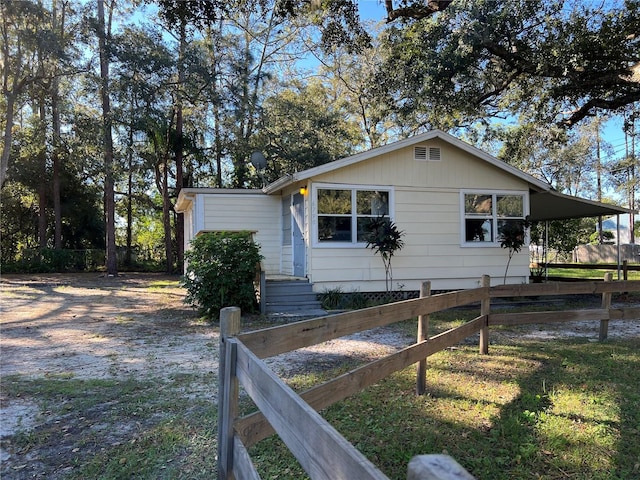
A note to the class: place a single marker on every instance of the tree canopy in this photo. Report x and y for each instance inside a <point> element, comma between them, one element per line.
<point>164,94</point>
<point>554,62</point>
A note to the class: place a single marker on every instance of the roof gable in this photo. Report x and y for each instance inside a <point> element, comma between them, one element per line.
<point>395,146</point>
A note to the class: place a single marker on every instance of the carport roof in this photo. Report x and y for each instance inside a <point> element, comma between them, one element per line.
<point>552,205</point>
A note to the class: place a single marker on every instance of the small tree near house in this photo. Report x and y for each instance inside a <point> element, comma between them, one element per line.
<point>384,238</point>
<point>513,238</point>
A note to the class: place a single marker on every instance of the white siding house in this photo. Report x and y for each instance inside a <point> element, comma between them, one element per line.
<point>448,197</point>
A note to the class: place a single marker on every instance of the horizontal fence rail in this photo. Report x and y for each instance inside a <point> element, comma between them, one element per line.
<point>320,449</point>
<point>562,288</point>
<point>596,266</point>
<point>273,341</point>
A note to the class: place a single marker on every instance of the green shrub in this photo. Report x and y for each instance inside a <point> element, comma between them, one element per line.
<point>48,260</point>
<point>357,301</point>
<point>331,298</point>
<point>336,299</point>
<point>221,269</point>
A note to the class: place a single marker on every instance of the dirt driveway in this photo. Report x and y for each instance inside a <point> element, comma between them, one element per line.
<point>88,327</point>
<point>93,367</point>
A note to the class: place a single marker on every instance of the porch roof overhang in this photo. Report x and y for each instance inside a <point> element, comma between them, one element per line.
<point>552,205</point>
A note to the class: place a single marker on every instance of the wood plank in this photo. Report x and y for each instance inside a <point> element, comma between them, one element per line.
<point>485,309</point>
<point>627,313</point>
<point>243,468</point>
<point>606,303</point>
<point>321,450</point>
<point>564,288</point>
<point>592,266</point>
<point>254,427</point>
<point>546,317</point>
<point>276,340</point>
<point>423,335</point>
<point>436,467</point>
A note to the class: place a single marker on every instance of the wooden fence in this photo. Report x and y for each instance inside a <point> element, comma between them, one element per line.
<point>320,449</point>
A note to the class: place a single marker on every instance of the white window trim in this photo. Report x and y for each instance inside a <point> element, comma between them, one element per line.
<point>495,193</point>
<point>344,186</point>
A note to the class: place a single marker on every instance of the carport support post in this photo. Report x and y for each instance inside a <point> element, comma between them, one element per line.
<point>423,334</point>
<point>606,304</point>
<point>485,308</point>
<point>227,390</point>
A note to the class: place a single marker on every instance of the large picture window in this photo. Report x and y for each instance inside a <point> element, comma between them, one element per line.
<point>487,214</point>
<point>343,213</point>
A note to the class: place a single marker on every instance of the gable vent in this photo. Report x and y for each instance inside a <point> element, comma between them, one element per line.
<point>424,154</point>
<point>420,153</point>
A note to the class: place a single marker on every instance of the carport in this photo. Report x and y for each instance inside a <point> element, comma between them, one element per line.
<point>550,205</point>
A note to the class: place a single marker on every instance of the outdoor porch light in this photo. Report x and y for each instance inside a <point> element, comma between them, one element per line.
<point>303,190</point>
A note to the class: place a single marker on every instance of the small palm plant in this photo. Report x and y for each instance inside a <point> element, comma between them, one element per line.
<point>513,238</point>
<point>384,238</point>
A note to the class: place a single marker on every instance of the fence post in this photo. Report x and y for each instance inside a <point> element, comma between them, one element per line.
<point>227,390</point>
<point>485,308</point>
<point>606,304</point>
<point>423,334</point>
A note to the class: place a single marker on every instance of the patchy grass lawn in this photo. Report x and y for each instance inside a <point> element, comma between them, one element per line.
<point>117,380</point>
<point>113,429</point>
<point>585,274</point>
<point>549,410</point>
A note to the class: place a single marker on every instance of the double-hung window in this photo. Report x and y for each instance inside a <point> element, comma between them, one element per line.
<point>343,213</point>
<point>487,214</point>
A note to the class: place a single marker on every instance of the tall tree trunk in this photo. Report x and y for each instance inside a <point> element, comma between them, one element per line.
<point>179,143</point>
<point>57,206</point>
<point>218,144</point>
<point>599,180</point>
<point>42,181</point>
<point>7,137</point>
<point>217,128</point>
<point>55,114</point>
<point>109,195</point>
<point>128,260</point>
<point>166,215</point>
<point>632,179</point>
<point>10,90</point>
